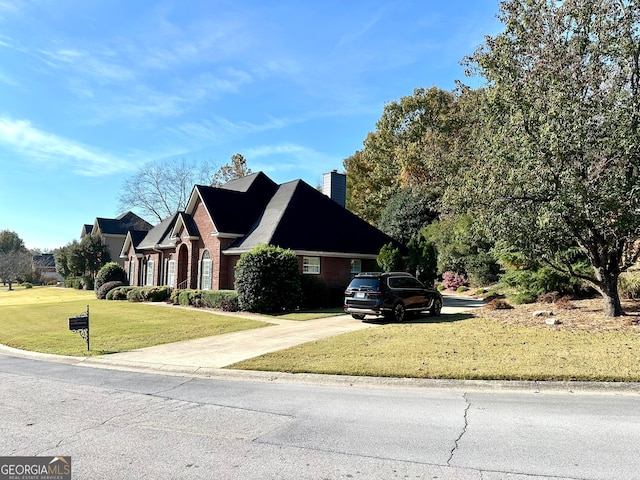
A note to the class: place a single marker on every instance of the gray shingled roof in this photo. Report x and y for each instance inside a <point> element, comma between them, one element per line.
<point>301,218</point>
<point>122,224</point>
<point>160,235</point>
<point>235,207</point>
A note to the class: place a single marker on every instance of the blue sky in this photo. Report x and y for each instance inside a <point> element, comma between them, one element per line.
<point>90,90</point>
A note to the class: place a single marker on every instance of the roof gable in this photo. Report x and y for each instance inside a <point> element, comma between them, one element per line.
<point>235,207</point>
<point>301,218</point>
<point>121,225</point>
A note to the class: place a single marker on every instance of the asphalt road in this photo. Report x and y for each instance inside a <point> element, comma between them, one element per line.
<point>131,425</point>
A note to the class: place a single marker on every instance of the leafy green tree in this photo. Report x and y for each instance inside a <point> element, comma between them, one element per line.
<point>267,280</point>
<point>408,212</point>
<point>95,252</point>
<point>76,260</point>
<point>423,258</point>
<point>390,258</point>
<point>61,258</point>
<point>561,140</point>
<point>463,249</point>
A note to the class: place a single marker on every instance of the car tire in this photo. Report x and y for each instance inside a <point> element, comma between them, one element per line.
<point>399,312</point>
<point>436,308</point>
<point>358,316</point>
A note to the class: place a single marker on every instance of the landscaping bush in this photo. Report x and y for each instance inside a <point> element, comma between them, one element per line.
<point>315,293</point>
<point>462,289</point>
<point>101,293</point>
<point>119,293</point>
<point>156,294</point>
<point>135,295</point>
<point>453,280</point>
<point>226,300</point>
<point>27,285</point>
<point>111,272</point>
<point>629,286</point>
<point>267,280</point>
<point>77,283</point>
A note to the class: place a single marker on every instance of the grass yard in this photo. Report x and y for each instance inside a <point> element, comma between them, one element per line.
<point>465,347</point>
<point>36,319</point>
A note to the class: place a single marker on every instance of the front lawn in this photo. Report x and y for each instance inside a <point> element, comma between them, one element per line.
<point>465,347</point>
<point>36,319</point>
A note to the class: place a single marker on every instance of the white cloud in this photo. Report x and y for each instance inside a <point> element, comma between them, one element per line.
<point>38,146</point>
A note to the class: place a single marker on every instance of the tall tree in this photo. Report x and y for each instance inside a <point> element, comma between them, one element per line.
<point>237,168</point>
<point>561,155</point>
<point>161,188</point>
<point>95,252</point>
<point>15,260</point>
<point>420,141</point>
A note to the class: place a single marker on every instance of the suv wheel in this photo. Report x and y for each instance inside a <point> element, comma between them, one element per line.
<point>358,316</point>
<point>436,308</point>
<point>398,312</point>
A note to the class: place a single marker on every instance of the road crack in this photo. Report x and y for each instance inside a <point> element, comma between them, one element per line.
<point>464,429</point>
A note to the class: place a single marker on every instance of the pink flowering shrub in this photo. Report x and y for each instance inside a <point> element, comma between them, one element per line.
<point>452,280</point>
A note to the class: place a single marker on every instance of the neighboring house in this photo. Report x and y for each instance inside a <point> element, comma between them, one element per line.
<point>45,267</point>
<point>199,248</point>
<point>113,231</point>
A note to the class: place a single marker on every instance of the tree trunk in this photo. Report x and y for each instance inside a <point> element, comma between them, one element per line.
<point>608,287</point>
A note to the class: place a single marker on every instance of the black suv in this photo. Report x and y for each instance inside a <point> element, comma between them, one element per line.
<point>391,295</point>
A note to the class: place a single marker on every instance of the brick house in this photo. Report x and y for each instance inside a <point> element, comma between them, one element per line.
<point>199,247</point>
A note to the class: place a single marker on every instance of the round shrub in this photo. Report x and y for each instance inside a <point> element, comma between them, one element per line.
<point>267,280</point>
<point>27,285</point>
<point>101,293</point>
<point>111,272</point>
<point>157,294</point>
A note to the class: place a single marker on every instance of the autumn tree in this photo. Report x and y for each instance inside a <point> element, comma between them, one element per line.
<point>420,141</point>
<point>237,168</point>
<point>161,188</point>
<point>560,166</point>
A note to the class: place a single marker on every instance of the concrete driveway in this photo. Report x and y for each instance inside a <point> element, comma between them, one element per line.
<point>210,353</point>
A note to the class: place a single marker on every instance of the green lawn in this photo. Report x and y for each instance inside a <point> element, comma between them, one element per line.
<point>36,319</point>
<point>464,347</point>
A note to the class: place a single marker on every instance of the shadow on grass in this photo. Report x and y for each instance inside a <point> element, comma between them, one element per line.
<point>444,318</point>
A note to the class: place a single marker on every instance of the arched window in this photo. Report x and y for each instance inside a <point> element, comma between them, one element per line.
<point>206,271</point>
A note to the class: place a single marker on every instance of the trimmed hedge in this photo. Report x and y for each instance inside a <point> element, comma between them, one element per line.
<point>140,294</point>
<point>103,290</point>
<point>226,300</point>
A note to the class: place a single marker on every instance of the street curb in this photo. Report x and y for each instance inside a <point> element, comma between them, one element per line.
<point>522,386</point>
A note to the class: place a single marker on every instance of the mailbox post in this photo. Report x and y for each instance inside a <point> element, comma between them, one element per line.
<point>80,325</point>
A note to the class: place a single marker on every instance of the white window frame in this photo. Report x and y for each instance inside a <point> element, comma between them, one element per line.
<point>171,273</point>
<point>311,265</point>
<point>132,271</point>
<point>150,273</point>
<point>206,274</point>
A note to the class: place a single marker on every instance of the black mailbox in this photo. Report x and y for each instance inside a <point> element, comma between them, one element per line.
<point>78,323</point>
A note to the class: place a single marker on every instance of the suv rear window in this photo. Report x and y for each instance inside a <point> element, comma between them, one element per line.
<point>364,283</point>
